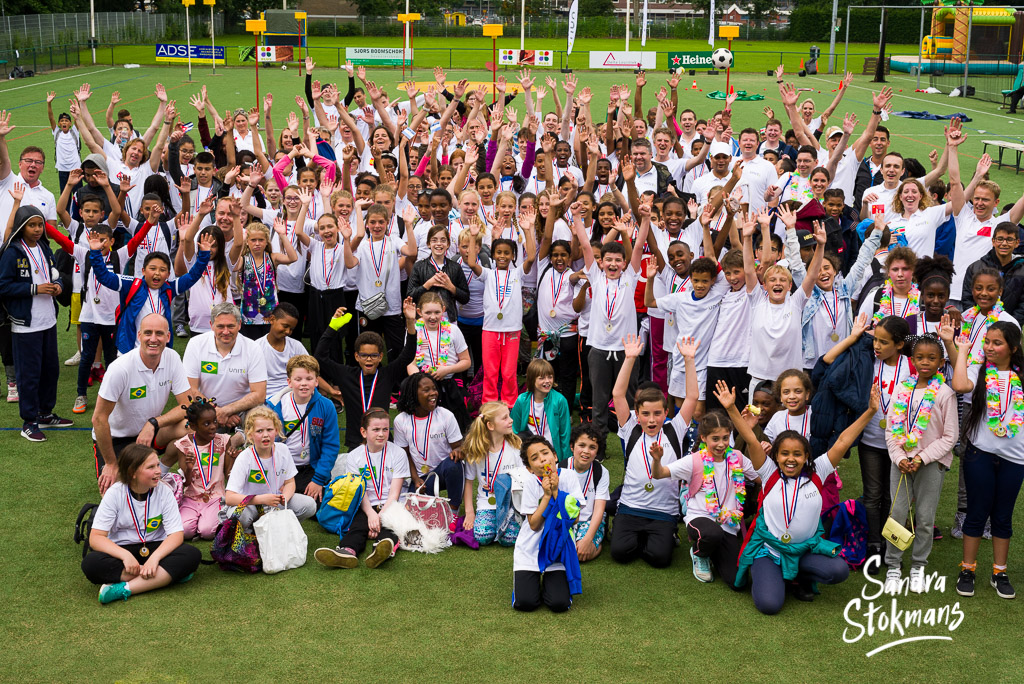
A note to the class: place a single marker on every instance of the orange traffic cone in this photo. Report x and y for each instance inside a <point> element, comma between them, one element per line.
<point>694,86</point>
<point>801,64</point>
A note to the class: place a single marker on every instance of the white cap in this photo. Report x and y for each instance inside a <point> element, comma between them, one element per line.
<point>718,147</point>
<point>833,130</point>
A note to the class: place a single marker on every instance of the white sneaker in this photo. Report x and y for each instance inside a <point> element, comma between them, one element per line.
<point>702,568</point>
<point>74,360</point>
<point>12,393</point>
<point>917,580</point>
<point>893,576</point>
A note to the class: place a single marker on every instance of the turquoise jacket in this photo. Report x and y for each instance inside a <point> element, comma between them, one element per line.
<point>790,553</point>
<point>556,408</point>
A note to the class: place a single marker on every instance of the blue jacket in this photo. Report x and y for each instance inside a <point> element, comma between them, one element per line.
<point>556,541</point>
<point>556,410</point>
<point>324,438</point>
<point>844,389</point>
<point>845,286</point>
<point>131,302</point>
<point>16,286</point>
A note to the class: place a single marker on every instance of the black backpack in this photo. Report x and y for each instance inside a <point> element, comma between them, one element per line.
<point>634,437</point>
<point>83,526</point>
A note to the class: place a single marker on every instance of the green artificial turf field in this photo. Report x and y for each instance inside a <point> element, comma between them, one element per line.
<point>448,617</point>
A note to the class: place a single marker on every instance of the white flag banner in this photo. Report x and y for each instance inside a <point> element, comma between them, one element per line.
<point>643,26</point>
<point>574,11</point>
<point>711,23</point>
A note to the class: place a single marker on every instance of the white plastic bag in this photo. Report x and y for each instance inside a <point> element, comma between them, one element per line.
<point>282,541</point>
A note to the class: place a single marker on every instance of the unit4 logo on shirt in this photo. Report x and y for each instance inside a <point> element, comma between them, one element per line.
<point>209,367</point>
<point>137,392</point>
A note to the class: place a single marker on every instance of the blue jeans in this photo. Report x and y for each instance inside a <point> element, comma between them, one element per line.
<point>92,335</point>
<point>993,484</point>
<point>451,478</point>
<point>768,588</point>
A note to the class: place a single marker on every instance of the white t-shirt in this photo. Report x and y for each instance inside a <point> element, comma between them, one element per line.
<point>919,230</point>
<point>615,296</point>
<point>297,440</point>
<point>326,265</point>
<point>783,421</point>
<point>475,307</point>
<point>503,299</point>
<point>702,186</point>
<point>1010,448</point>
<point>155,241</point>
<point>528,542</point>
<point>379,469</point>
<point>973,241</point>
<point>101,313</point>
<point>253,476</point>
<point>505,461</point>
<point>884,201</point>
<point>979,328</point>
<point>123,517</point>
<point>695,318</point>
<point>664,497</point>
<point>888,379</point>
<point>555,295</point>
<point>732,348</point>
<point>775,333</point>
<point>68,149</point>
<point>277,362</point>
<point>759,174</point>
<point>696,505</point>
<point>379,263</point>
<point>594,491</point>
<point>204,295</point>
<point>44,311</point>
<point>289,276</point>
<point>38,197</point>
<point>228,378</point>
<point>807,516</point>
<point>428,440</point>
<point>846,175</point>
<point>830,319</point>
<point>139,393</point>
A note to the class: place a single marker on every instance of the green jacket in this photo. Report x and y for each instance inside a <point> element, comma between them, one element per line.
<point>556,408</point>
<point>790,553</point>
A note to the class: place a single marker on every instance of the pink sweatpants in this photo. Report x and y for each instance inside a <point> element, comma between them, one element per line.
<point>659,355</point>
<point>200,517</point>
<point>501,354</point>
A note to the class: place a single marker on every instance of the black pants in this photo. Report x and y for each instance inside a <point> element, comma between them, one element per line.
<point>635,537</point>
<point>7,348</point>
<point>586,395</point>
<point>474,340</point>
<point>93,336</point>
<point>322,305</point>
<point>874,472</point>
<point>709,540</point>
<point>350,331</point>
<point>359,532</point>
<point>737,378</point>
<point>1015,97</point>
<point>102,568</point>
<point>301,302</point>
<point>567,368</point>
<point>391,328</point>
<point>255,331</point>
<point>36,367</point>
<point>528,592</point>
<point>303,477</point>
<point>118,443</point>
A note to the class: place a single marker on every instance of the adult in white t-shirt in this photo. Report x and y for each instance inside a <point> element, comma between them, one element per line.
<point>917,219</point>
<point>226,366</point>
<point>133,395</point>
<point>30,166</point>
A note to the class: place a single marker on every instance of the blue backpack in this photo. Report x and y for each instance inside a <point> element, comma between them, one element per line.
<point>342,498</point>
<point>850,531</point>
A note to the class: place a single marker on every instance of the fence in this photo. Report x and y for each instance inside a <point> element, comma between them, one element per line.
<point>24,32</point>
<point>987,87</point>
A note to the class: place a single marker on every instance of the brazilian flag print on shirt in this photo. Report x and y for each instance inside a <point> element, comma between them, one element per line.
<point>256,477</point>
<point>204,460</point>
<point>153,524</point>
<point>208,367</point>
<point>137,392</point>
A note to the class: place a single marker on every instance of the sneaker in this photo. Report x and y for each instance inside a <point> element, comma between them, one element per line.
<point>1002,586</point>
<point>875,568</point>
<point>936,533</point>
<point>917,580</point>
<point>893,576</point>
<point>74,360</point>
<point>53,421</point>
<point>179,331</point>
<point>114,592</point>
<point>97,372</point>
<point>702,568</point>
<point>187,578</point>
<point>12,393</point>
<point>987,534</point>
<point>32,433</point>
<point>965,583</point>
<point>802,591</point>
<point>80,403</point>
<point>336,558</point>
<point>381,552</point>
<point>958,525</point>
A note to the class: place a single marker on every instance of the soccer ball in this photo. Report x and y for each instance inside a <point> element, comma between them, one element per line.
<point>721,58</point>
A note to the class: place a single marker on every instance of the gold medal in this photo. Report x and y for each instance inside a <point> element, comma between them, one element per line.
<point>1000,431</point>
<point>500,315</point>
<point>424,469</point>
<point>881,423</point>
<point>144,551</point>
<point>834,337</point>
<point>649,487</point>
<point>552,313</point>
<point>377,283</point>
<point>262,301</point>
<point>491,500</point>
<point>36,271</point>
<point>785,538</point>
<point>608,327</point>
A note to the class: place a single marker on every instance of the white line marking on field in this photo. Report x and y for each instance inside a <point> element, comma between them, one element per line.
<point>920,99</point>
<point>43,83</point>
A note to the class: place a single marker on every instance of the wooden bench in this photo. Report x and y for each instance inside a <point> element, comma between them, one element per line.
<point>871,63</point>
<point>1003,145</point>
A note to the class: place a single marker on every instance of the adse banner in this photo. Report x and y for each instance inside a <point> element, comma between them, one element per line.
<point>623,60</point>
<point>179,54</point>
<point>377,56</point>
<point>690,60</point>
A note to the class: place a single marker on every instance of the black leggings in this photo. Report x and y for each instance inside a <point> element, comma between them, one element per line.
<point>359,532</point>
<point>768,587</point>
<point>635,537</point>
<point>567,368</point>
<point>102,568</point>
<point>322,305</point>
<point>528,592</point>
<point>874,472</point>
<point>474,340</point>
<point>709,540</point>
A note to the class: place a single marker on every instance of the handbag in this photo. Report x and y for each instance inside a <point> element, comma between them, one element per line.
<point>375,306</point>
<point>234,548</point>
<point>282,542</point>
<point>894,532</point>
<point>433,511</point>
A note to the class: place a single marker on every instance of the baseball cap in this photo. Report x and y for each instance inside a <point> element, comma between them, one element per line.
<point>833,130</point>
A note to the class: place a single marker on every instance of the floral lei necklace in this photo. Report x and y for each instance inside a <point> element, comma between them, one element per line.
<point>885,303</point>
<point>994,400</point>
<point>427,360</point>
<point>901,407</point>
<point>734,465</point>
<point>967,328</point>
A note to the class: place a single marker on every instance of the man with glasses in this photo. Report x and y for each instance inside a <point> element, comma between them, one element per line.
<point>30,167</point>
<point>368,383</point>
<point>1010,265</point>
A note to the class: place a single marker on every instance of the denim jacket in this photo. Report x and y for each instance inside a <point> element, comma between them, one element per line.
<point>844,285</point>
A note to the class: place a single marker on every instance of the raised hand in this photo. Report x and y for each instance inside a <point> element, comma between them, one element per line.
<point>268,102</point>
<point>17,192</point>
<point>525,80</point>
<point>881,98</point>
<point>310,64</point>
<point>687,346</point>
<point>49,96</point>
<point>159,91</point>
<point>199,104</point>
<point>850,123</point>
<point>439,76</point>
<point>860,324</point>
<point>726,395</point>
<point>633,346</point>
<point>85,92</point>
